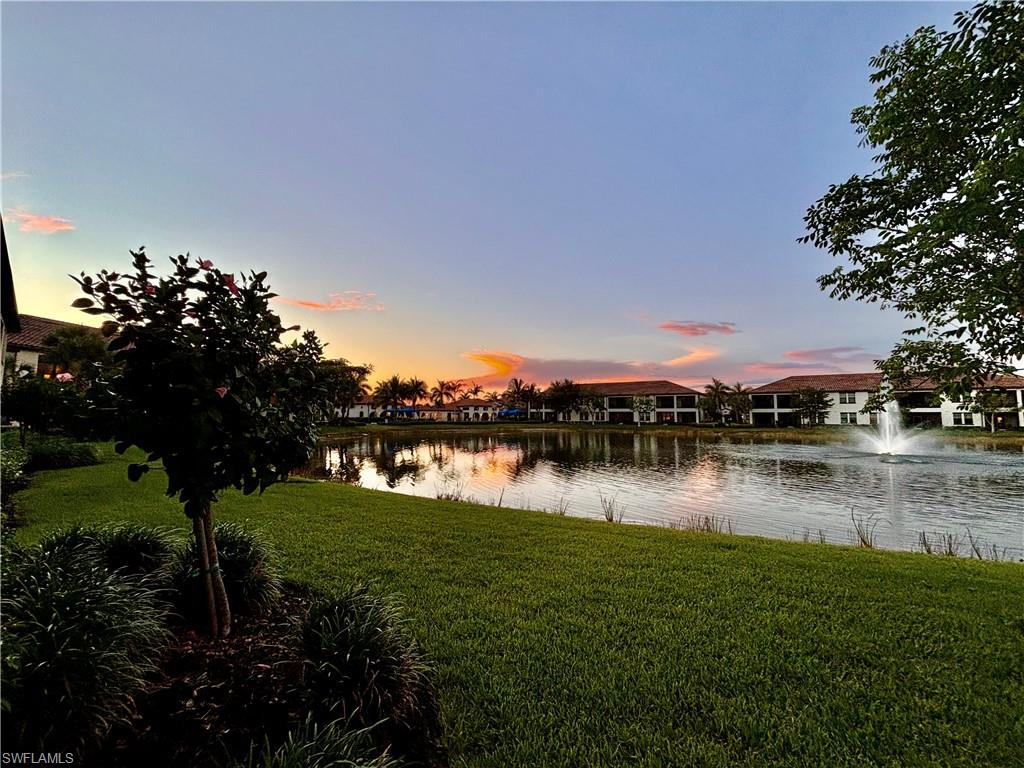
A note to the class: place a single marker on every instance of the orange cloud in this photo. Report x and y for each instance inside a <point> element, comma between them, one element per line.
<point>697,328</point>
<point>37,222</point>
<point>505,365</point>
<point>344,301</point>
<point>698,355</point>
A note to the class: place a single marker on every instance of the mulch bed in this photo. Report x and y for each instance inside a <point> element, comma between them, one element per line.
<point>213,699</point>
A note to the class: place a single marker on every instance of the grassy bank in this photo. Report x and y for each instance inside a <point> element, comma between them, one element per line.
<point>563,642</point>
<point>820,434</point>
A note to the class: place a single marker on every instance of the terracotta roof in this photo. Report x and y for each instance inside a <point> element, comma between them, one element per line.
<point>429,407</point>
<point>1007,381</point>
<point>660,387</point>
<point>363,401</point>
<point>1003,381</point>
<point>35,330</point>
<point>828,382</point>
<point>471,401</point>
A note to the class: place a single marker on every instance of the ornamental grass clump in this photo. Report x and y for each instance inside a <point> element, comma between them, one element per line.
<point>364,668</point>
<point>59,453</point>
<point>246,565</point>
<point>311,745</point>
<point>78,643</point>
<point>129,549</point>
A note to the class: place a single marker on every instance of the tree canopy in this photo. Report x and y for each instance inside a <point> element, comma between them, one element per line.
<point>936,230</point>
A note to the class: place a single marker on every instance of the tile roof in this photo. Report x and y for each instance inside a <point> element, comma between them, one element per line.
<point>471,401</point>
<point>867,382</point>
<point>828,382</point>
<point>660,387</point>
<point>35,330</point>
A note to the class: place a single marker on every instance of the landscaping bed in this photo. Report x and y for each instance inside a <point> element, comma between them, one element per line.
<point>212,699</point>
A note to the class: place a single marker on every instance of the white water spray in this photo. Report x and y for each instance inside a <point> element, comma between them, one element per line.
<point>890,438</point>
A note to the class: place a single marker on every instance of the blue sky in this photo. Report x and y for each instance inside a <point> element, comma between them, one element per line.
<point>546,190</point>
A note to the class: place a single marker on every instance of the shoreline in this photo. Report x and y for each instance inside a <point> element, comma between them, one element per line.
<point>820,434</point>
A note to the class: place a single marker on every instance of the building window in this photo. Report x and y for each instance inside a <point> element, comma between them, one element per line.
<point>620,402</point>
<point>847,398</point>
<point>686,401</point>
<point>848,417</point>
<point>762,401</point>
<point>665,401</point>
<point>961,419</point>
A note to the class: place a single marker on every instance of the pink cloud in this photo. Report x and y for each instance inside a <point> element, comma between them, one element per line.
<point>343,301</point>
<point>836,355</point>
<point>505,365</point>
<point>810,361</point>
<point>697,327</point>
<point>37,222</point>
<point>13,175</point>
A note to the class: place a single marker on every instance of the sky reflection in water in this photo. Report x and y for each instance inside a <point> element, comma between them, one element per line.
<point>776,489</point>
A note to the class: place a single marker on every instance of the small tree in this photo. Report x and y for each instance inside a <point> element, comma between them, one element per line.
<point>715,400</point>
<point>739,402</point>
<point>343,383</point>
<point>990,402</point>
<point>563,396</point>
<point>205,385</point>
<point>811,405</point>
<point>643,406</point>
<point>78,350</point>
<point>591,404</point>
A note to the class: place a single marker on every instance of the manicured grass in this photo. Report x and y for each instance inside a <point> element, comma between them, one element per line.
<point>563,642</point>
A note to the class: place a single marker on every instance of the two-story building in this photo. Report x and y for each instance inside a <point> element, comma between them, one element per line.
<point>774,403</point>
<point>637,402</point>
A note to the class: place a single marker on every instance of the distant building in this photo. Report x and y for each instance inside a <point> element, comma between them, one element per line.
<point>28,343</point>
<point>773,404</point>
<point>666,403</point>
<point>362,408</point>
<point>476,409</point>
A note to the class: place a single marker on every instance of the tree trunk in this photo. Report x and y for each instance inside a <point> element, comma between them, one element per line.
<point>220,595</point>
<point>199,532</point>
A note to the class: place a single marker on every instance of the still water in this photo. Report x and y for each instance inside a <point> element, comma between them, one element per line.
<point>769,488</point>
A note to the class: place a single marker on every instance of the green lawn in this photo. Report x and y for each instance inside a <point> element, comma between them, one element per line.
<point>562,642</point>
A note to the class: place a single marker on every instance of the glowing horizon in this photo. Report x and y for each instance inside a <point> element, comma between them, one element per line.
<point>455,191</point>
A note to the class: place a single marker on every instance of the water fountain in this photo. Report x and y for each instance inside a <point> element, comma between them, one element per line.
<point>890,439</point>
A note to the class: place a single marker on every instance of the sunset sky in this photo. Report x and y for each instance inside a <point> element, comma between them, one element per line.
<point>458,190</point>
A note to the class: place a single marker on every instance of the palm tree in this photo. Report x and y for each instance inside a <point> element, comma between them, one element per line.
<point>716,399</point>
<point>415,390</point>
<point>472,391</point>
<point>739,401</point>
<point>515,392</point>
<point>493,397</point>
<point>442,392</point>
<point>390,392</point>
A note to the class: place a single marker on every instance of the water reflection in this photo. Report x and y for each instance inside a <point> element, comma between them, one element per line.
<point>777,489</point>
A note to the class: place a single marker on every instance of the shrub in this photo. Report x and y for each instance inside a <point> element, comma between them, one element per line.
<point>59,453</point>
<point>363,667</point>
<point>246,564</point>
<point>12,477</point>
<point>320,746</point>
<point>77,644</point>
<point>129,548</point>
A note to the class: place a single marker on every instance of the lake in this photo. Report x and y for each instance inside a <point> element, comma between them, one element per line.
<point>772,488</point>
